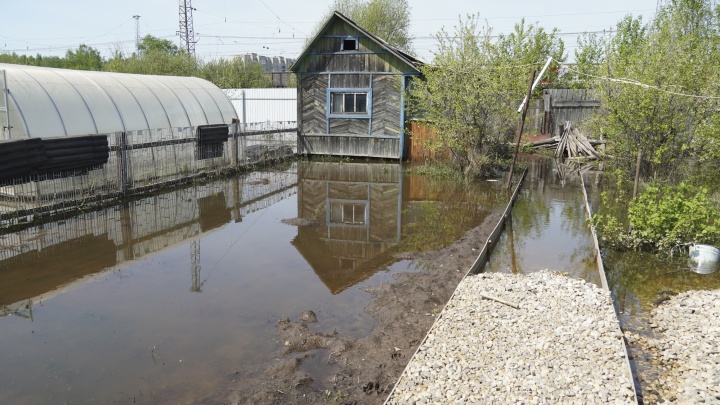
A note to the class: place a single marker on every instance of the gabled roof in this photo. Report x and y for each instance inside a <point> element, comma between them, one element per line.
<point>413,62</point>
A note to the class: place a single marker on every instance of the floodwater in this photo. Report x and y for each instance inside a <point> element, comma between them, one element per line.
<point>547,228</point>
<point>639,281</point>
<point>169,298</point>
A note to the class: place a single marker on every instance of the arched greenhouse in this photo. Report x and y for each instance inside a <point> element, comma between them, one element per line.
<point>70,136</point>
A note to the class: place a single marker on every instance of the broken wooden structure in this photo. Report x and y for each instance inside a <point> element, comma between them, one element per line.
<point>571,144</point>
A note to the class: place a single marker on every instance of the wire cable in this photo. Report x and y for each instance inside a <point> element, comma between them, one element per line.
<point>639,84</point>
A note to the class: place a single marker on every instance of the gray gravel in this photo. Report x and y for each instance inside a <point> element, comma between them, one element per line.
<point>688,347</point>
<point>562,345</point>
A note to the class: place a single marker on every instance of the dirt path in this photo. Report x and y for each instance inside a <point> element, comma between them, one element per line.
<point>365,369</point>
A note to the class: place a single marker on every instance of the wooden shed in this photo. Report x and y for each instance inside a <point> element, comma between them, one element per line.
<point>350,93</point>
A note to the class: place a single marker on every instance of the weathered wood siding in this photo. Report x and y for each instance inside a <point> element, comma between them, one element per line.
<point>370,68</point>
<point>312,96</point>
<point>386,105</point>
<point>357,81</point>
<point>348,145</point>
<point>370,57</point>
<point>385,117</point>
<point>574,105</point>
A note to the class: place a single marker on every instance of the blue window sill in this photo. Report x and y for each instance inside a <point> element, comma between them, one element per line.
<point>366,116</point>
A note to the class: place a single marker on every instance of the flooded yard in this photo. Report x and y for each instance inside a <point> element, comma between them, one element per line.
<point>548,228</point>
<point>170,298</point>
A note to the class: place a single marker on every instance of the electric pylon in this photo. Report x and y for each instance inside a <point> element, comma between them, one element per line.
<point>187,33</point>
<point>137,33</point>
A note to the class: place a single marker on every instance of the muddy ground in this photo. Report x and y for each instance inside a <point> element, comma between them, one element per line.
<point>365,370</point>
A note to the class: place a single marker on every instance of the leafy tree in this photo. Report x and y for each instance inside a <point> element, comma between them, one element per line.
<point>234,74</point>
<point>155,62</point>
<point>155,56</point>
<point>527,45</point>
<point>659,100</point>
<point>39,60</point>
<point>471,90</point>
<point>150,43</point>
<point>84,58</point>
<point>388,19</point>
<point>669,121</point>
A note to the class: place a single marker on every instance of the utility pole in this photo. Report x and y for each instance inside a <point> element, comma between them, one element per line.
<point>137,33</point>
<point>187,33</point>
<point>523,108</point>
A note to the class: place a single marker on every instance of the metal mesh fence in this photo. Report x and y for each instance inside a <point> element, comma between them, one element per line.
<point>142,161</point>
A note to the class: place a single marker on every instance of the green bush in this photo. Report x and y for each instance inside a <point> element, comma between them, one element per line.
<point>663,218</point>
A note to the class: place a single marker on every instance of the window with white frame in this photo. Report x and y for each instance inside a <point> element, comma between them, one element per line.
<point>348,213</point>
<point>348,103</point>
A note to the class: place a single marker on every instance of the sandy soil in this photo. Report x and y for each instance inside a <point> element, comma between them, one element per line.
<point>365,369</point>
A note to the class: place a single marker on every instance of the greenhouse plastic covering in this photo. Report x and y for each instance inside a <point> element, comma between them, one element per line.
<point>47,102</point>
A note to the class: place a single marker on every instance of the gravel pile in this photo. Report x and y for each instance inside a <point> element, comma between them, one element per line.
<point>561,345</point>
<point>688,347</point>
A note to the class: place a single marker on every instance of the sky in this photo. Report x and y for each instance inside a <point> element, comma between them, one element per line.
<point>225,28</point>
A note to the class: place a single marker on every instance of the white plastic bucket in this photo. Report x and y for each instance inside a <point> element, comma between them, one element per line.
<point>705,257</point>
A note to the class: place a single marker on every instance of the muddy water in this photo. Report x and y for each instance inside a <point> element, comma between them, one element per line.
<point>171,297</point>
<point>547,229</point>
<point>639,282</point>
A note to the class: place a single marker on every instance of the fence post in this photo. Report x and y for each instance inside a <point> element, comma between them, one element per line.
<point>121,156</point>
<point>244,111</point>
<point>6,109</point>
<point>234,143</point>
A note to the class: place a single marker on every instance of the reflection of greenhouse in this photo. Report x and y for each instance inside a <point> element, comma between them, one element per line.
<point>39,259</point>
<point>357,207</point>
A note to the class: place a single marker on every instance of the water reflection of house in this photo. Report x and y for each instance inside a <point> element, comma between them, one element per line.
<point>357,210</point>
<point>38,260</point>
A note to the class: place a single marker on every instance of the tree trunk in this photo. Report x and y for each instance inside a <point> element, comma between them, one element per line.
<point>637,173</point>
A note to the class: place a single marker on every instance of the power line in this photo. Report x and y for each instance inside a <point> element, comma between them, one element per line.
<point>278,17</point>
<point>640,84</point>
<point>540,15</point>
<point>428,37</point>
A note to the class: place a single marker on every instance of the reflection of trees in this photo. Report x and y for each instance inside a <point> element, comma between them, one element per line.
<point>582,259</point>
<point>442,223</point>
<point>530,213</point>
<point>439,211</point>
<point>549,206</point>
<point>575,218</point>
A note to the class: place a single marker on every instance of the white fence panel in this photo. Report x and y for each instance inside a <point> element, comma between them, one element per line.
<point>277,108</point>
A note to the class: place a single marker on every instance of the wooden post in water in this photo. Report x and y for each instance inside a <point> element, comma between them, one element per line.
<point>637,172</point>
<point>520,129</point>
